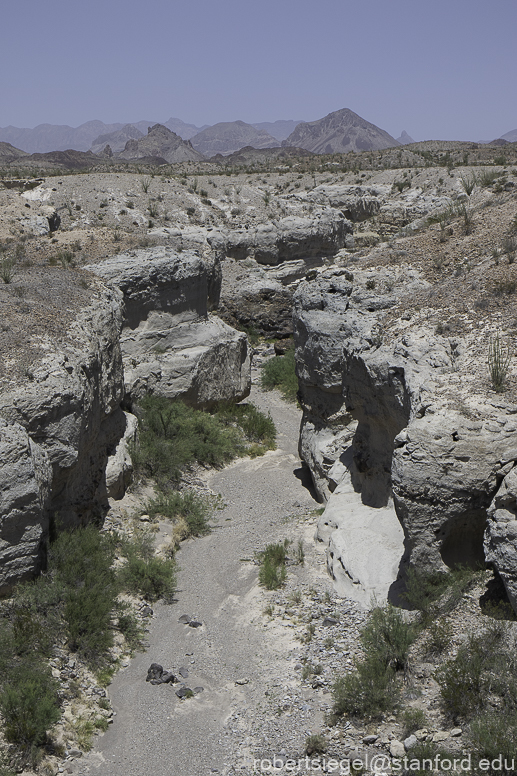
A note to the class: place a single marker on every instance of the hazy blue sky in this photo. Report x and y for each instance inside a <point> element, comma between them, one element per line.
<point>436,68</point>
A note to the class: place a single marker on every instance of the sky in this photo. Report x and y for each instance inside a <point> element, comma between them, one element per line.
<point>439,69</point>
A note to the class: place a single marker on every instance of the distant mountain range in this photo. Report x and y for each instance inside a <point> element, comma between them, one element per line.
<point>228,137</point>
<point>338,132</point>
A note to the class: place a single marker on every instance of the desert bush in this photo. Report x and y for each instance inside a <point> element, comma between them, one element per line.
<point>482,675</point>
<point>487,177</point>
<point>373,688</point>
<point>439,638</point>
<point>279,372</point>
<point>493,736</point>
<point>369,691</point>
<point>192,508</point>
<point>468,183</point>
<point>153,578</point>
<point>82,564</point>
<point>29,704</point>
<point>173,435</point>
<point>315,744</point>
<point>435,593</point>
<point>411,720</point>
<point>272,572</point>
<point>7,269</point>
<point>387,637</point>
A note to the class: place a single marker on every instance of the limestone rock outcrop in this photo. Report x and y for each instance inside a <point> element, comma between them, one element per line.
<point>407,478</point>
<point>170,343</point>
<point>25,482</point>
<point>67,409</point>
<point>286,239</point>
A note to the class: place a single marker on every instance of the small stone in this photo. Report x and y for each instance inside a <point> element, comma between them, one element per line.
<point>197,690</point>
<point>421,734</point>
<point>397,748</point>
<point>185,619</point>
<point>441,735</point>
<point>183,672</point>
<point>245,680</point>
<point>455,732</point>
<point>328,621</point>
<point>145,519</point>
<point>370,739</point>
<point>195,624</point>
<point>75,753</point>
<point>410,742</point>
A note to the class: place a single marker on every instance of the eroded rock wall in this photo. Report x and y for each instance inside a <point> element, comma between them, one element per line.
<point>387,448</point>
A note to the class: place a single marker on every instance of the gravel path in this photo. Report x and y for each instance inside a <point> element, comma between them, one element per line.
<point>241,658</point>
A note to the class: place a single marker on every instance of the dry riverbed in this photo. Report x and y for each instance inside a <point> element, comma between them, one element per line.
<point>249,653</point>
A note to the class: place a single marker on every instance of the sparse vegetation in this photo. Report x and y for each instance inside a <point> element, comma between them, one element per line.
<point>279,372</point>
<point>499,357</point>
<point>373,688</point>
<point>272,572</point>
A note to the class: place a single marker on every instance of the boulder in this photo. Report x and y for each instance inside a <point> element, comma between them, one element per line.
<point>25,482</point>
<point>171,344</point>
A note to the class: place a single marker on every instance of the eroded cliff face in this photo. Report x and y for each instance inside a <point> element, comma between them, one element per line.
<point>64,434</point>
<point>65,421</point>
<point>407,478</point>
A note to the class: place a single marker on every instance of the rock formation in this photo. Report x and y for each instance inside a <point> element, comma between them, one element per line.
<point>170,342</point>
<point>160,142</point>
<point>230,136</point>
<point>64,436</point>
<point>387,451</point>
<point>339,132</point>
<point>288,238</point>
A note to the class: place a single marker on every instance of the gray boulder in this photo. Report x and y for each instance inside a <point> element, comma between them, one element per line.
<point>170,343</point>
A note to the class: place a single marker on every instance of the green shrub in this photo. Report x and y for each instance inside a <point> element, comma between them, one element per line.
<point>82,561</point>
<point>484,668</point>
<point>435,593</point>
<point>173,435</point>
<point>494,735</point>
<point>29,704</point>
<point>272,572</point>
<point>386,638</point>
<point>152,578</point>
<point>372,688</point>
<point>315,744</point>
<point>439,639</point>
<point>194,509</point>
<point>369,691</point>
<point>412,719</point>
<point>279,372</point>
<point>499,357</point>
